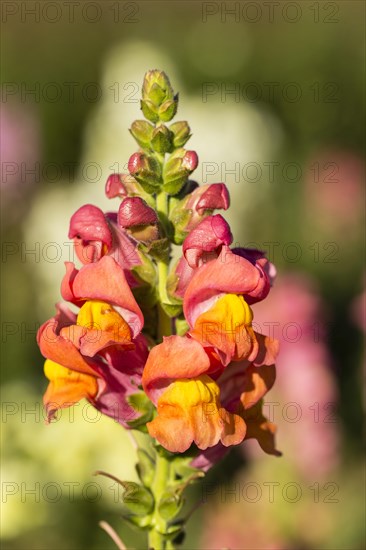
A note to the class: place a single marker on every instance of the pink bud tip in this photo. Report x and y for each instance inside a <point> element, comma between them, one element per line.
<point>114,186</point>
<point>215,197</point>
<point>190,160</point>
<point>134,164</point>
<point>134,211</point>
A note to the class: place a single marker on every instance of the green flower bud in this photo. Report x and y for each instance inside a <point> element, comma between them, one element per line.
<point>168,109</point>
<point>149,110</point>
<point>142,132</point>
<point>146,170</point>
<point>156,87</point>
<point>161,139</point>
<point>170,504</point>
<point>181,132</point>
<point>177,169</point>
<point>137,499</point>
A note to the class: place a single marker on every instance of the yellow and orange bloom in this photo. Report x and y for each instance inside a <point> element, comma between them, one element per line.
<point>176,378</point>
<point>99,353</point>
<point>201,401</point>
<point>216,305</point>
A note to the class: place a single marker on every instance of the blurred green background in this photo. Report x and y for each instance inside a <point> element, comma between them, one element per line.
<point>274,94</point>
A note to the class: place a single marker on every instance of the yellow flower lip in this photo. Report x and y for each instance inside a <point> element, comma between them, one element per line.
<point>66,387</point>
<point>96,315</point>
<point>190,411</point>
<point>227,326</point>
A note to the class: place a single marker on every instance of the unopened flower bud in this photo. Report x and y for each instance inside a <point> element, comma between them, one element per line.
<point>121,185</point>
<point>149,110</point>
<point>206,240</point>
<point>115,187</point>
<point>190,161</point>
<point>134,211</point>
<point>170,504</point>
<point>177,169</point>
<point>156,87</point>
<point>142,132</point>
<point>146,170</point>
<point>199,203</point>
<point>168,109</point>
<point>158,101</point>
<point>161,139</point>
<point>181,132</point>
<point>138,219</point>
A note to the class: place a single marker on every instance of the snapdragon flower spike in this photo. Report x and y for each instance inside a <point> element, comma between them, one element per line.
<point>177,379</point>
<point>96,234</point>
<point>98,354</point>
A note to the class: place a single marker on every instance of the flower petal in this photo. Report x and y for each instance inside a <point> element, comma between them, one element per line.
<point>176,357</point>
<point>66,387</point>
<point>259,428</point>
<point>60,350</point>
<point>103,281</point>
<point>207,238</point>
<point>190,411</point>
<point>226,326</point>
<point>228,274</point>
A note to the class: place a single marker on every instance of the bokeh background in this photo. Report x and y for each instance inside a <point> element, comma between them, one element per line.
<point>274,94</point>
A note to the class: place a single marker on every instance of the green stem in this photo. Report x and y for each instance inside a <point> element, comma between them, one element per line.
<point>162,203</point>
<point>157,540</point>
<point>162,207</point>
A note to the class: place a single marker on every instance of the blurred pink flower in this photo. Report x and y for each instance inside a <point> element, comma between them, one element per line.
<point>334,192</point>
<point>305,388</point>
<point>227,529</point>
<point>20,156</point>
